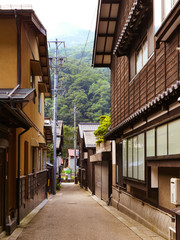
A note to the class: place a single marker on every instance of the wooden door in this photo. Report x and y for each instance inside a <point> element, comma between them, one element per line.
<point>98,180</point>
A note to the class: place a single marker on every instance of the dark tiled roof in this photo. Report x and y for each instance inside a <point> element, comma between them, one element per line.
<point>131,27</point>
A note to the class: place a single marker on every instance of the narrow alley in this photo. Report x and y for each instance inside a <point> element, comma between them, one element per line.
<point>73,214</point>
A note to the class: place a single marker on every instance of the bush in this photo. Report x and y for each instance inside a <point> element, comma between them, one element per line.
<point>105,122</point>
<point>58,186</point>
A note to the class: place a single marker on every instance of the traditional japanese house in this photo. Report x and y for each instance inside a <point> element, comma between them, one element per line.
<point>87,147</point>
<point>139,42</point>
<point>71,158</point>
<point>25,82</point>
<point>102,169</point>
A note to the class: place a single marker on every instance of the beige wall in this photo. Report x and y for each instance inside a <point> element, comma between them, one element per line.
<point>8,50</point>
<point>31,109</point>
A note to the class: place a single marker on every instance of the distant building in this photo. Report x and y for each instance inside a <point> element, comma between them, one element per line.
<point>71,162</point>
<point>87,147</point>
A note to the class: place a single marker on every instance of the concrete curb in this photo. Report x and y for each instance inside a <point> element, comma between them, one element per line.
<point>25,221</point>
<point>140,230</point>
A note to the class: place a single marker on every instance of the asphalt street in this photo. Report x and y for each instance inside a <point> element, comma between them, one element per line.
<point>73,214</point>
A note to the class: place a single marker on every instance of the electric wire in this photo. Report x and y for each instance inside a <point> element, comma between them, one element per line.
<point>87,37</point>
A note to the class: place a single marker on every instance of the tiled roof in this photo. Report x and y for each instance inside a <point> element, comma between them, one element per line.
<point>133,23</point>
<point>157,101</point>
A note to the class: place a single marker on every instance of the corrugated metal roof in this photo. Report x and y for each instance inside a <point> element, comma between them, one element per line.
<point>89,139</point>
<point>18,94</point>
<point>71,152</point>
<point>59,132</point>
<point>87,127</point>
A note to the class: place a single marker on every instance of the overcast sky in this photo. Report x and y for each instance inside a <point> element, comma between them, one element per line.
<point>79,13</point>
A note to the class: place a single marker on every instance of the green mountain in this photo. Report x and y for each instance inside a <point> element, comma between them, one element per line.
<point>80,84</point>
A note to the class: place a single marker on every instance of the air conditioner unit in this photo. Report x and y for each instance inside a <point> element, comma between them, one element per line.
<point>175,191</point>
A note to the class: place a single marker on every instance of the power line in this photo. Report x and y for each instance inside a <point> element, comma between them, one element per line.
<point>87,38</point>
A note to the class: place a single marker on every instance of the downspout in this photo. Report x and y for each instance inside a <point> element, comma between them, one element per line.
<point>18,180</point>
<point>18,49</point>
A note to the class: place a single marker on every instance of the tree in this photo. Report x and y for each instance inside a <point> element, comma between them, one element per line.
<point>105,122</point>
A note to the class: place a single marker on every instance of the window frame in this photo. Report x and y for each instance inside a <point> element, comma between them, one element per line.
<point>126,161</point>
<point>138,50</point>
<point>39,102</point>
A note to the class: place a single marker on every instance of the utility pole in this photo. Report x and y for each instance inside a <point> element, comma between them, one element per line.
<point>56,71</point>
<point>75,145</point>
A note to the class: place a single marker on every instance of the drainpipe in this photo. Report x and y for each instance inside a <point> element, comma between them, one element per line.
<point>18,180</point>
<point>18,49</point>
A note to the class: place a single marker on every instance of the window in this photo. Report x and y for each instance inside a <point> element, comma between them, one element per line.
<point>130,157</point>
<point>141,56</point>
<point>135,158</point>
<point>161,10</point>
<point>125,158</point>
<point>150,143</point>
<point>32,81</point>
<point>162,140</point>
<point>134,164</point>
<point>118,150</point>
<point>39,102</point>
<point>34,158</point>
<point>44,160</point>
<point>39,160</point>
<point>174,137</point>
<point>141,159</point>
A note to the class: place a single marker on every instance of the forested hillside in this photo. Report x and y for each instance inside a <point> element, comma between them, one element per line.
<point>82,85</point>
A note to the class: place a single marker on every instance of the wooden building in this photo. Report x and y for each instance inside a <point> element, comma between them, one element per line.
<point>87,147</point>
<point>25,82</point>
<point>101,163</point>
<point>139,42</point>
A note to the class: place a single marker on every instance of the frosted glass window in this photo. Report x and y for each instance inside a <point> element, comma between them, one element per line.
<point>139,62</point>
<point>166,7</point>
<point>141,164</point>
<point>125,158</point>
<point>150,143</point>
<point>135,159</point>
<point>145,52</point>
<point>161,10</point>
<point>142,55</point>
<point>174,137</point>
<point>130,157</point>
<point>162,140</point>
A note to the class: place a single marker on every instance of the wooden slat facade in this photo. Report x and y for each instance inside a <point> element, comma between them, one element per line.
<point>161,71</point>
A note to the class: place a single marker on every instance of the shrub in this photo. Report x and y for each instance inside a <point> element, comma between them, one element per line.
<point>58,186</point>
<point>105,122</point>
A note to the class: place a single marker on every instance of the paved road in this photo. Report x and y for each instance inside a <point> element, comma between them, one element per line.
<point>73,215</point>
